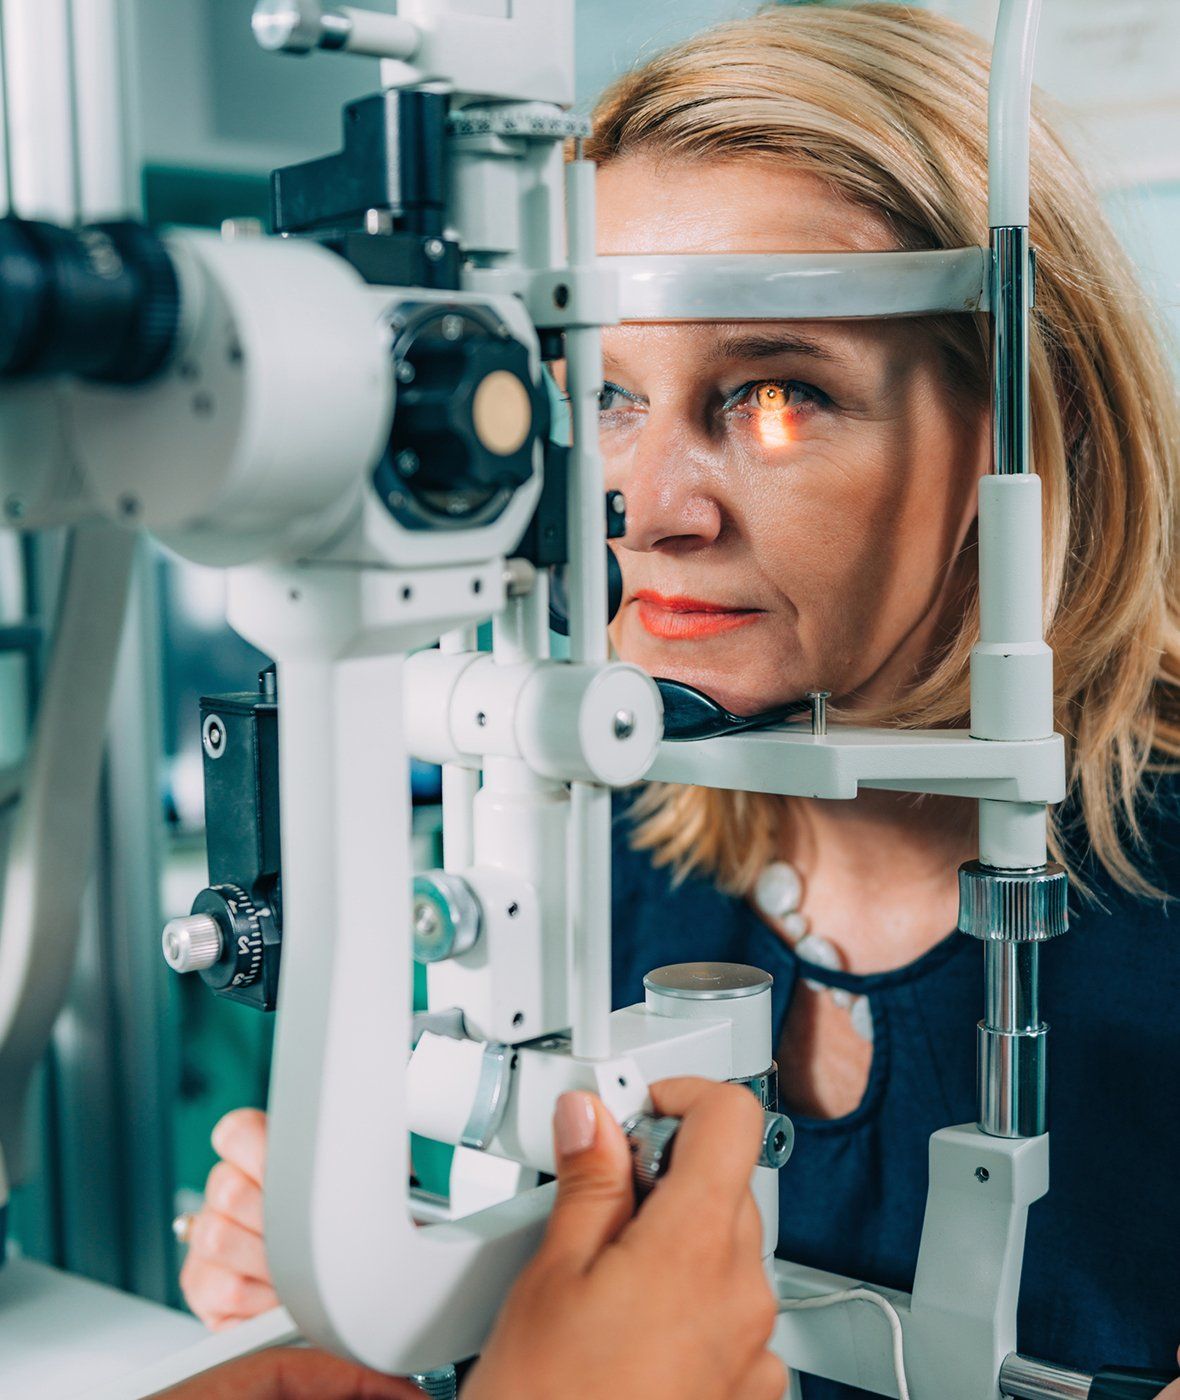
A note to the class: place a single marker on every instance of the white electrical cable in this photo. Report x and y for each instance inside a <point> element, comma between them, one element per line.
<point>848,1295</point>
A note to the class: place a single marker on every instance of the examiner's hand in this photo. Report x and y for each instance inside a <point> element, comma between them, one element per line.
<point>671,1303</point>
<point>291,1373</point>
<point>225,1278</point>
<point>1171,1392</point>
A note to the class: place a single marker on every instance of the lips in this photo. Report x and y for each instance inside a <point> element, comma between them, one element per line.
<point>677,618</point>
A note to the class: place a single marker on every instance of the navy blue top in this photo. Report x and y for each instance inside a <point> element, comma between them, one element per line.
<point>1101,1282</point>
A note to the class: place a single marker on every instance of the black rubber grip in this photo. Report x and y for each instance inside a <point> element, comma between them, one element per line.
<point>1129,1383</point>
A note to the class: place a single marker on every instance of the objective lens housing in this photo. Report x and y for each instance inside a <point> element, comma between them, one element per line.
<point>101,302</point>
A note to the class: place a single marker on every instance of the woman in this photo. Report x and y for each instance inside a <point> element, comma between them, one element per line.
<point>800,515</point>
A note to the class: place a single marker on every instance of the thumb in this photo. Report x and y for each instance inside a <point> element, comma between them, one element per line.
<point>595,1197</point>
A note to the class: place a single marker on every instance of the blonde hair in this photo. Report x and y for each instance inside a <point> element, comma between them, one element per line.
<point>887,105</point>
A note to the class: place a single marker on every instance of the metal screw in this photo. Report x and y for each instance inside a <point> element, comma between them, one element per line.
<point>378,221</point>
<point>520,576</point>
<point>232,229</point>
<point>440,1384</point>
<point>407,462</point>
<point>481,719</point>
<point>819,710</point>
<point>561,295</point>
<point>982,1174</point>
<point>452,327</point>
<point>426,919</point>
<point>203,404</point>
<point>624,724</point>
<point>405,372</point>
<point>128,507</point>
<point>435,249</point>
<point>778,1139</point>
<point>213,736</point>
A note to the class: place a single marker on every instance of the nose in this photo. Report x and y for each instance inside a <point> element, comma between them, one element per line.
<point>672,506</point>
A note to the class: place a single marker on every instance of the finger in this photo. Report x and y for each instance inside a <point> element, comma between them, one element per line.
<point>317,1375</point>
<point>765,1380</point>
<point>230,1192</point>
<point>240,1137</point>
<point>595,1198</point>
<point>222,1241</point>
<point>718,1141</point>
<point>748,1234</point>
<point>288,1373</point>
<point>220,1297</point>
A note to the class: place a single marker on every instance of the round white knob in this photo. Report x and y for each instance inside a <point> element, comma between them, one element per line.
<point>192,943</point>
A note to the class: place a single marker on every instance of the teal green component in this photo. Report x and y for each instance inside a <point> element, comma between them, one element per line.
<point>203,198</point>
<point>431,1160</point>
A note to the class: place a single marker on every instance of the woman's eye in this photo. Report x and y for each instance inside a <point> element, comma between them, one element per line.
<point>777,396</point>
<point>612,396</point>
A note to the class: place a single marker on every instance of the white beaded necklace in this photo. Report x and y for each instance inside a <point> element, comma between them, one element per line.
<point>778,895</point>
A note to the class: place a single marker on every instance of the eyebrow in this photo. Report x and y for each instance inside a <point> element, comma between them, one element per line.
<point>766,345</point>
<point>754,345</point>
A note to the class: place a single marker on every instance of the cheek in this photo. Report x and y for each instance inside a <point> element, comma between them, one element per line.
<point>858,536</point>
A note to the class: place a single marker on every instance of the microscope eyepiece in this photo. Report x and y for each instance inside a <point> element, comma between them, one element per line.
<point>101,302</point>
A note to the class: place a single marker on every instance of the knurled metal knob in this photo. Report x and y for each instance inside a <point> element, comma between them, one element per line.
<point>1013,906</point>
<point>192,943</point>
<point>651,1138</point>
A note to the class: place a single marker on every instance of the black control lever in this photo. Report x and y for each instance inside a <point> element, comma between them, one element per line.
<point>691,714</point>
<point>1128,1383</point>
<point>1026,1378</point>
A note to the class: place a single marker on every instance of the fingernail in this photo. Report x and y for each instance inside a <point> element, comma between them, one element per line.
<point>217,1138</point>
<point>574,1124</point>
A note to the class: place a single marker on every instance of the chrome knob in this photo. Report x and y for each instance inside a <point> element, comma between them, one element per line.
<point>298,26</point>
<point>446,917</point>
<point>192,943</point>
<point>778,1140</point>
<point>651,1138</point>
<point>1013,906</point>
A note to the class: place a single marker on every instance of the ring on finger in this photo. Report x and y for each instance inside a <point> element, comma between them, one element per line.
<point>182,1226</point>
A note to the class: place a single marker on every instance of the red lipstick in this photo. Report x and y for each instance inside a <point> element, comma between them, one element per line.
<point>677,618</point>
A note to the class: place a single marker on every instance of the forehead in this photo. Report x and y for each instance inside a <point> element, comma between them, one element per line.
<point>741,205</point>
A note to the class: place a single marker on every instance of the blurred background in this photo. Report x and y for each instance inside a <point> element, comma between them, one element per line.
<point>143,1063</point>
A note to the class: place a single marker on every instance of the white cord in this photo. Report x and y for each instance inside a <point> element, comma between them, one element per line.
<point>848,1295</point>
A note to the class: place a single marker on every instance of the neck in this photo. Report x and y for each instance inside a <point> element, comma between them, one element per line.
<point>880,873</point>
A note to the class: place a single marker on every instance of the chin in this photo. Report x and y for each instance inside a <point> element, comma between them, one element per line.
<point>732,685</point>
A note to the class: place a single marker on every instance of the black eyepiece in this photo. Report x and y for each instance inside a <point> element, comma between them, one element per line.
<point>101,302</point>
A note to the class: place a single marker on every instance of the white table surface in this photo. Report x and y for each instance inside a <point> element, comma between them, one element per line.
<point>64,1337</point>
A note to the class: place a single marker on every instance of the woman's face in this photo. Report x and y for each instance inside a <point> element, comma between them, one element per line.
<point>796,491</point>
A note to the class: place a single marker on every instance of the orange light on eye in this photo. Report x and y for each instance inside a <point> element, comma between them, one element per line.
<point>771,403</point>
